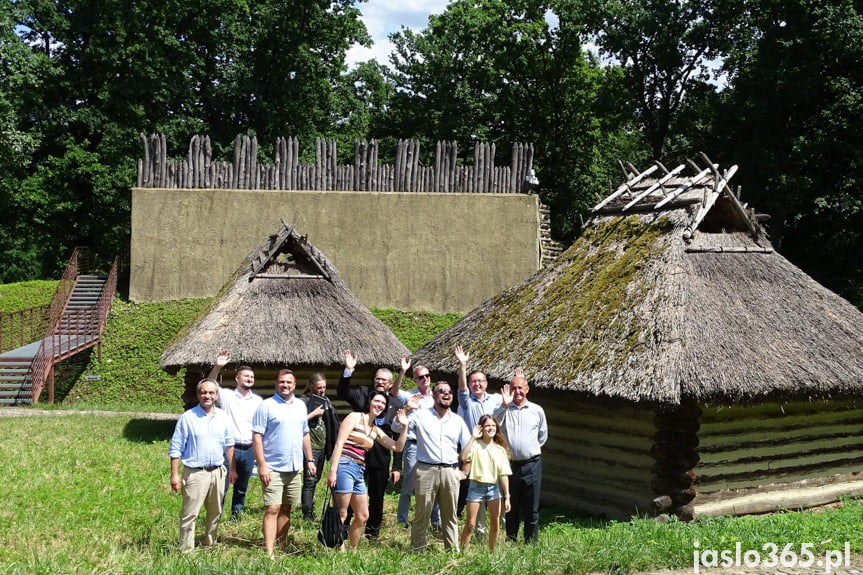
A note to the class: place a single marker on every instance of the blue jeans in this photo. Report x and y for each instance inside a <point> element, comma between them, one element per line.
<point>244,460</point>
<point>409,464</point>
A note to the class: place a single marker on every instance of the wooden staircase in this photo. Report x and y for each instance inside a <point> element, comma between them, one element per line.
<point>76,318</point>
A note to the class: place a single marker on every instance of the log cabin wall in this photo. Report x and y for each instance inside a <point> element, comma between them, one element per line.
<point>597,459</point>
<point>767,449</point>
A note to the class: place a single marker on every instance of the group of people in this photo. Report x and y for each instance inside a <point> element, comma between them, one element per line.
<point>485,456</point>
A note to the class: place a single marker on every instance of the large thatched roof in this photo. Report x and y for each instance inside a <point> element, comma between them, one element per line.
<point>286,306</point>
<point>672,292</point>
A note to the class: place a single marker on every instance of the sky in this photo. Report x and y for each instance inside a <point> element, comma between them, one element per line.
<point>382,17</point>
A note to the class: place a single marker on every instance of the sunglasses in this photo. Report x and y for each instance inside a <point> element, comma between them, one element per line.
<point>423,376</point>
<point>444,391</point>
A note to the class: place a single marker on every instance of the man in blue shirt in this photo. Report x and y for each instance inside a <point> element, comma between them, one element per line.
<point>202,441</point>
<point>473,403</point>
<point>281,442</point>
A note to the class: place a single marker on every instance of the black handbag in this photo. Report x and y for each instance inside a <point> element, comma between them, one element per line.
<point>332,532</point>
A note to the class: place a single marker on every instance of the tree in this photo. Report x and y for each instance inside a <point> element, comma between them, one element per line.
<point>508,71</point>
<point>793,120</point>
<point>667,49</point>
<point>95,73</point>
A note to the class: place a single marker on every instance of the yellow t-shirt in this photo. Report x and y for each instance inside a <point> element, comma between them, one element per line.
<point>488,461</point>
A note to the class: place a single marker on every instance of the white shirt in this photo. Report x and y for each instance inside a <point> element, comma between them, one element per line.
<point>240,410</point>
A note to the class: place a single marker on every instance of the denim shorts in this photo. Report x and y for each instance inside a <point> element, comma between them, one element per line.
<point>483,491</point>
<point>349,477</point>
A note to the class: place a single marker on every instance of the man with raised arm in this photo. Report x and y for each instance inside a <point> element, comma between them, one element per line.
<point>524,425</point>
<point>202,441</point>
<point>473,403</point>
<point>282,450</point>
<point>377,461</point>
<point>240,404</point>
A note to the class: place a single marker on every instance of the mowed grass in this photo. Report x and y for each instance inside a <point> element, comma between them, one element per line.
<point>85,493</point>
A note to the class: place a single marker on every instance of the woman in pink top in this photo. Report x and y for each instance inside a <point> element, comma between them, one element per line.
<point>357,435</point>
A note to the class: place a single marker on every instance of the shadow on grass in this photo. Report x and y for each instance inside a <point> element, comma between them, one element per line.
<point>149,430</point>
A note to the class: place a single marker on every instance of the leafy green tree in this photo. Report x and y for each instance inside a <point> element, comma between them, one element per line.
<point>793,122</point>
<point>110,69</point>
<point>512,71</point>
<point>667,50</point>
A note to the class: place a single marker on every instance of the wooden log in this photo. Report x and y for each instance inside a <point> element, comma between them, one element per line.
<point>684,512</point>
<point>662,503</point>
<point>163,156</point>
<point>144,163</point>
<point>478,160</point>
<point>253,157</point>
<point>192,159</point>
<point>684,496</point>
<point>240,161</point>
<point>208,163</point>
<point>490,170</point>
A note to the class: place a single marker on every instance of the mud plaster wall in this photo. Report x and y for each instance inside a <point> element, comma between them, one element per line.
<point>403,250</point>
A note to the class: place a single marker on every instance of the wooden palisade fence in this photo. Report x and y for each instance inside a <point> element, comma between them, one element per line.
<point>199,171</point>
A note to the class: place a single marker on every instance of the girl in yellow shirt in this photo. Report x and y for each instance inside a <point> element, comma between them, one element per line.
<point>489,477</point>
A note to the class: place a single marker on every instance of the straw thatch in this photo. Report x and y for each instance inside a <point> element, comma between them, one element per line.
<point>673,292</point>
<point>286,306</point>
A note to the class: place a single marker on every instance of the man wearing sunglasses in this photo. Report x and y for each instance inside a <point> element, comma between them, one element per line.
<point>424,400</point>
<point>439,433</point>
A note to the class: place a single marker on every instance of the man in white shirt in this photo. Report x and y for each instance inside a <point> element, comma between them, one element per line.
<point>240,404</point>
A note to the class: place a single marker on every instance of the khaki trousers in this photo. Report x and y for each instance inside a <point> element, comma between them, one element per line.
<point>201,488</point>
<point>435,483</point>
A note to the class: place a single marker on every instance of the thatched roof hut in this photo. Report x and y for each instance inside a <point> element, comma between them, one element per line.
<point>678,352</point>
<point>285,306</point>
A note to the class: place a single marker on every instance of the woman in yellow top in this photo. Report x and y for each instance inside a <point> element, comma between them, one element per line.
<point>489,476</point>
<point>357,435</point>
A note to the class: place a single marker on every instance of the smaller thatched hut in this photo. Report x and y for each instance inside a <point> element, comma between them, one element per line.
<point>684,365</point>
<point>285,306</point>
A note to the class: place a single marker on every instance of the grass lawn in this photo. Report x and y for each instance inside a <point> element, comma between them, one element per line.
<point>90,494</point>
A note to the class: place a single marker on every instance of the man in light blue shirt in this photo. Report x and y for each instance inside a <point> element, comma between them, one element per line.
<point>473,403</point>
<point>281,443</point>
<point>440,435</point>
<point>202,441</point>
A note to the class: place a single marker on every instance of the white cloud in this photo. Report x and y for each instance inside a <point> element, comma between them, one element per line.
<point>383,17</point>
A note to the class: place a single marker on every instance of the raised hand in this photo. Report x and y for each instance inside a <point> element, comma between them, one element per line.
<point>460,355</point>
<point>401,417</point>
<point>223,358</point>
<point>506,395</point>
<point>404,363</point>
<point>350,360</point>
<point>414,402</point>
<point>477,431</point>
<point>518,372</point>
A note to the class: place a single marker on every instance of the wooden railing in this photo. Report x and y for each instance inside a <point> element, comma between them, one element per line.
<point>22,327</point>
